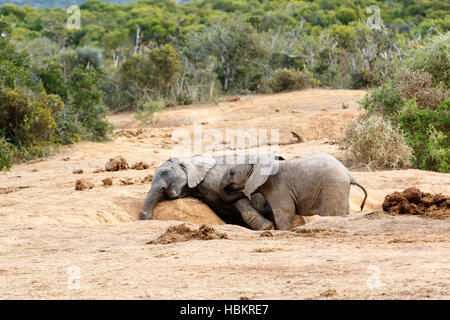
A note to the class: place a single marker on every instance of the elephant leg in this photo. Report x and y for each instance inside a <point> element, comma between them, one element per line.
<point>252,217</point>
<point>283,211</point>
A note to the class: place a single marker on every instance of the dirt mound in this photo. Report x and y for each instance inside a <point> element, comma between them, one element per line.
<point>130,133</point>
<point>83,184</point>
<point>107,182</point>
<point>117,164</point>
<point>140,166</point>
<point>182,233</point>
<point>413,201</point>
<point>186,210</point>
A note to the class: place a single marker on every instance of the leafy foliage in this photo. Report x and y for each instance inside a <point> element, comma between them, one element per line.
<point>427,132</point>
<point>287,79</point>
<point>125,57</point>
<point>6,154</point>
<point>415,103</point>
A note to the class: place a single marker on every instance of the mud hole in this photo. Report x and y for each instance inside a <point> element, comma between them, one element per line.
<point>413,201</point>
<point>183,233</point>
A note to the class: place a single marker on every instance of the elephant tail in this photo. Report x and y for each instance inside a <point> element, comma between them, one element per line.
<point>356,183</point>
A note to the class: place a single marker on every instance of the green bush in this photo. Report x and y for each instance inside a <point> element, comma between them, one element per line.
<point>86,57</point>
<point>86,106</point>
<point>373,141</point>
<point>145,113</point>
<point>149,76</point>
<point>28,119</point>
<point>6,154</point>
<point>427,133</point>
<point>433,58</point>
<point>385,100</point>
<point>51,75</point>
<point>287,79</point>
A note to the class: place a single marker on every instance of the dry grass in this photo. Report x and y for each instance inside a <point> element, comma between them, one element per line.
<point>418,85</point>
<point>373,142</point>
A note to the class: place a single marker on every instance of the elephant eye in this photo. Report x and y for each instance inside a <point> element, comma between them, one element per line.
<point>231,173</point>
<point>164,173</point>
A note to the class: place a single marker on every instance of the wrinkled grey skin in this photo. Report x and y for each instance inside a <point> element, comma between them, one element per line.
<point>199,177</point>
<point>315,184</point>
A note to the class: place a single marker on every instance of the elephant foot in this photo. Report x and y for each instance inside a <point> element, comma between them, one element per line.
<point>267,226</point>
<point>143,216</point>
<point>256,221</point>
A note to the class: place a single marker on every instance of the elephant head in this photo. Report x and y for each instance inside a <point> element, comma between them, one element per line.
<point>242,180</point>
<point>174,178</point>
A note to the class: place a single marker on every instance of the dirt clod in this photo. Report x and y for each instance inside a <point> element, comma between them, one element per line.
<point>147,179</point>
<point>182,233</point>
<point>413,201</point>
<point>107,182</point>
<point>83,184</point>
<point>329,293</point>
<point>78,171</point>
<point>117,164</point>
<point>140,166</point>
<point>127,182</point>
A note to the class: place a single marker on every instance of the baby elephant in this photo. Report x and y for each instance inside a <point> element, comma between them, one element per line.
<point>315,184</point>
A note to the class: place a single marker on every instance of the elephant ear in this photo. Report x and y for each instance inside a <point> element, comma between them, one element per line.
<point>262,170</point>
<point>197,168</point>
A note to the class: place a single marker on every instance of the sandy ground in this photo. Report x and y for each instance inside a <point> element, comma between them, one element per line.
<point>54,238</point>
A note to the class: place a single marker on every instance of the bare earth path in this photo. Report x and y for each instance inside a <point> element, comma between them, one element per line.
<point>47,226</point>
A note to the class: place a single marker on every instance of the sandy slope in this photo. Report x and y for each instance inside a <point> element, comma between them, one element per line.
<point>47,226</point>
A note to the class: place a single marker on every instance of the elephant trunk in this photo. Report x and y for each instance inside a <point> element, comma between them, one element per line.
<point>229,196</point>
<point>153,197</point>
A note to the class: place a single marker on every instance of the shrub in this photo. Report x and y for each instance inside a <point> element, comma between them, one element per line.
<point>70,129</point>
<point>6,154</point>
<point>427,134</point>
<point>433,58</point>
<point>385,100</point>
<point>418,85</point>
<point>287,79</point>
<point>51,75</point>
<point>151,75</point>
<point>28,119</point>
<point>86,105</point>
<point>89,57</point>
<point>372,141</point>
<point>145,113</point>
<point>346,15</point>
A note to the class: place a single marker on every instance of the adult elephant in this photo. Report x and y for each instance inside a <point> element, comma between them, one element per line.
<point>199,177</point>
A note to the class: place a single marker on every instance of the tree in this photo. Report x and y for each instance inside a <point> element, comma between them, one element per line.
<point>235,45</point>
